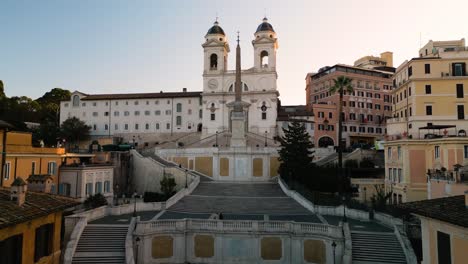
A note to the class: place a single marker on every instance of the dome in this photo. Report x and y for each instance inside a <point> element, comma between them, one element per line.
<point>216,29</point>
<point>265,26</point>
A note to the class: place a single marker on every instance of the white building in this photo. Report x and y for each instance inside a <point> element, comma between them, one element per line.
<point>128,115</point>
<point>259,90</point>
<point>81,181</point>
<point>165,116</point>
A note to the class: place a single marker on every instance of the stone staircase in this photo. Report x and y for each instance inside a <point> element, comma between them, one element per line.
<point>239,198</point>
<point>376,247</point>
<point>101,244</point>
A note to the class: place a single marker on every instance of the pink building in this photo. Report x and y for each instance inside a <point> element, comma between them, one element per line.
<point>365,110</point>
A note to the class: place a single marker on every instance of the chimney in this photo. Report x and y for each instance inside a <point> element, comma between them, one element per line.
<point>184,90</point>
<point>40,183</point>
<point>18,191</point>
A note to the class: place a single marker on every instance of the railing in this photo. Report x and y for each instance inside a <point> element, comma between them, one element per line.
<point>80,224</point>
<point>405,245</point>
<point>129,256</point>
<point>222,226</point>
<point>348,250</point>
<point>447,175</point>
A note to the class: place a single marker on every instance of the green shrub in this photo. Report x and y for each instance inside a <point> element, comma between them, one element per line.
<point>95,201</point>
<point>168,186</point>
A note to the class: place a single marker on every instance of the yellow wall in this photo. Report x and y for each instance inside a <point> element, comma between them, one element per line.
<point>181,160</point>
<point>21,154</point>
<point>257,167</point>
<point>458,240</point>
<point>204,165</point>
<point>274,166</point>
<point>28,230</point>
<point>223,167</point>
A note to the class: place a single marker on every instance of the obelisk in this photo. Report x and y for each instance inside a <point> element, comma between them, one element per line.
<point>238,116</point>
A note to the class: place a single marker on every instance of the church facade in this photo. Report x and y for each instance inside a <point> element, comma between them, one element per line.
<point>157,117</point>
<point>259,86</point>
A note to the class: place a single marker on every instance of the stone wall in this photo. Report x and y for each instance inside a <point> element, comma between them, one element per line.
<point>148,173</point>
<point>216,241</point>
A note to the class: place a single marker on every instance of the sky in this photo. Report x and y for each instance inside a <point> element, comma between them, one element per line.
<point>117,46</point>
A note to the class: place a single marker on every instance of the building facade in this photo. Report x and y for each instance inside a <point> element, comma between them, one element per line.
<point>259,88</point>
<point>135,116</point>
<point>295,113</point>
<point>158,117</point>
<point>364,110</point>
<point>431,91</point>
<point>23,160</point>
<point>444,228</point>
<point>81,181</point>
<point>409,164</point>
<point>30,230</point>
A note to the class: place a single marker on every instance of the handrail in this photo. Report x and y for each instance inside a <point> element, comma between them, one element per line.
<point>406,246</point>
<point>129,256</point>
<point>348,248</point>
<point>74,238</point>
<point>206,138</point>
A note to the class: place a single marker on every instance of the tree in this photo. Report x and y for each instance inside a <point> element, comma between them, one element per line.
<point>168,186</point>
<point>295,154</point>
<point>341,84</point>
<point>2,90</point>
<point>94,201</point>
<point>74,130</point>
<point>379,199</point>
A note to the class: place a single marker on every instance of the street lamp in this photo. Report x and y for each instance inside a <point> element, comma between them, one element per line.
<point>216,144</point>
<point>344,209</point>
<point>134,204</point>
<point>266,132</point>
<point>186,178</point>
<point>334,247</point>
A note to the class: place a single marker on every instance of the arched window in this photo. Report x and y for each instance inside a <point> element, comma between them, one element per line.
<point>179,107</point>
<point>157,126</point>
<point>264,109</point>
<point>213,62</point>
<point>76,101</point>
<point>244,86</point>
<point>264,59</point>
<point>325,142</point>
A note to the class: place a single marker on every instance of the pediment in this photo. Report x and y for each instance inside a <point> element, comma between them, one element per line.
<point>264,40</point>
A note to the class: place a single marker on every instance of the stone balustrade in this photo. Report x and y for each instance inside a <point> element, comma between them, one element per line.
<point>237,226</point>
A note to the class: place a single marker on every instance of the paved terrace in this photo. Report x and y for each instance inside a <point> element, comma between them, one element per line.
<point>240,201</point>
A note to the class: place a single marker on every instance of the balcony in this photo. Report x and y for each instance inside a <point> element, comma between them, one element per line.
<point>458,175</point>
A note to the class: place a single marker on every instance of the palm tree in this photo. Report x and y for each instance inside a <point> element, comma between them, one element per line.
<point>341,84</point>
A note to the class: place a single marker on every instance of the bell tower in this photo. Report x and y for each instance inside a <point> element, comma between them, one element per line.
<point>216,49</point>
<point>265,45</point>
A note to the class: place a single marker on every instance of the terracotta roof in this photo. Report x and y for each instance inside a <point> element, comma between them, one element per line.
<point>448,209</point>
<point>36,205</point>
<point>141,95</point>
<point>38,177</point>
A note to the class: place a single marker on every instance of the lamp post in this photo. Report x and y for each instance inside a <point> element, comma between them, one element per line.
<point>266,132</point>
<point>216,144</point>
<point>186,171</point>
<point>334,247</point>
<point>344,209</point>
<point>134,204</point>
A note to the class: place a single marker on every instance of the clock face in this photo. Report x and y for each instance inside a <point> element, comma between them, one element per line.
<point>213,84</point>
